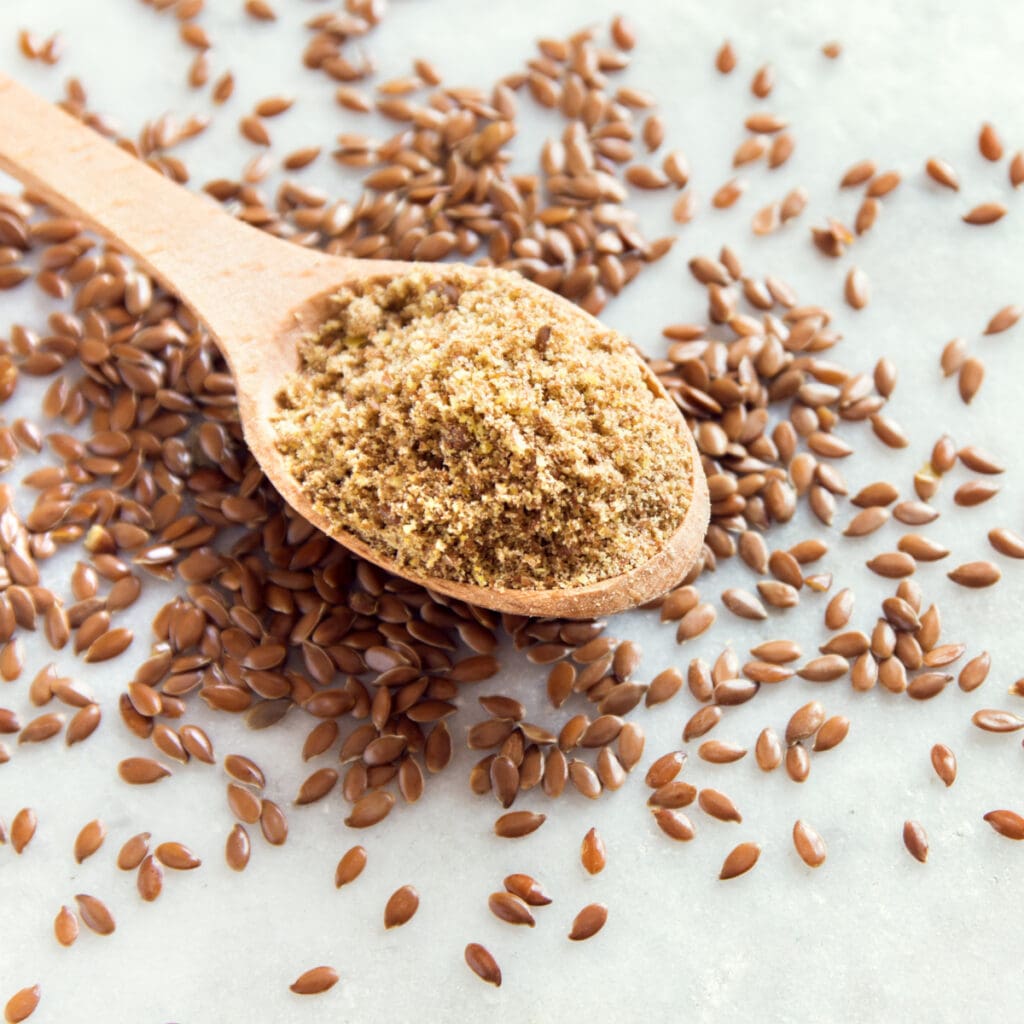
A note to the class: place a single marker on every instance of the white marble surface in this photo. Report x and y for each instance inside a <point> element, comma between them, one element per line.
<point>871,936</point>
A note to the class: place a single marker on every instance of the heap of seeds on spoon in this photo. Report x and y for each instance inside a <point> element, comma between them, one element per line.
<point>147,476</point>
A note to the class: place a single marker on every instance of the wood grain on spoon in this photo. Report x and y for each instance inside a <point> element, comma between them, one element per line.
<point>258,295</point>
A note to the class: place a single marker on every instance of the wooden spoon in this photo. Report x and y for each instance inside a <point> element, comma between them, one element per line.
<point>257,296</point>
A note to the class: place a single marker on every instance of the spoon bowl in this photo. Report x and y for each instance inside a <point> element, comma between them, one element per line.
<point>259,296</point>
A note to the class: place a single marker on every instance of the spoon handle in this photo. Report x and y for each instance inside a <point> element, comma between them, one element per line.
<point>231,275</point>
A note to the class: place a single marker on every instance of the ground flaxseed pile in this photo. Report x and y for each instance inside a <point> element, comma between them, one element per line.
<point>476,431</point>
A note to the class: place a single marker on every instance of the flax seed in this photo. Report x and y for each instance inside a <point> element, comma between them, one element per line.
<point>1006,823</point>
<point>809,845</point>
<point>65,926</point>
<point>528,889</point>
<point>22,1004</point>
<point>510,908</point>
<point>401,907</point>
<point>516,824</point>
<point>593,855</point>
<point>942,173</point>
<point>314,981</point>
<point>991,720</point>
<point>739,861</point>
<point>94,914</point>
<point>674,823</point>
<point>23,828</point>
<point>858,174</point>
<point>89,839</point>
<point>702,722</point>
<point>1004,319</point>
<point>720,752</point>
<point>718,805</point>
<point>985,213</point>
<point>588,922</point>
<point>725,59</point>
<point>989,144</point>
<point>975,574</point>
<point>481,962</point>
<point>141,771</point>
<point>916,840</point>
<point>944,763</point>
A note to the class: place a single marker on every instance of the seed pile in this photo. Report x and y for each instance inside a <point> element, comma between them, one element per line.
<point>148,477</point>
<point>472,430</point>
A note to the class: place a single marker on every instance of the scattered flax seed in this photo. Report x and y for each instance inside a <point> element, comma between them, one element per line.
<point>989,144</point>
<point>674,823</point>
<point>992,720</point>
<point>856,288</point>
<point>401,906</point>
<point>809,845</point>
<point>510,908</point>
<point>665,768</point>
<point>141,771</point>
<point>517,824</point>
<point>482,964</point>
<point>867,214</point>
<point>718,805</point>
<point>22,1004</point>
<point>725,59</point>
<point>739,861</point>
<point>727,195</point>
<point>237,848</point>
<point>1007,542</point>
<point>150,879</point>
<point>350,867</point>
<point>793,204</point>
<point>971,375</point>
<point>721,752</point>
<point>953,355</point>
<point>944,763</point>
<point>768,750</point>
<point>368,810</point>
<point>1006,823</point>
<point>593,855</point>
<point>177,856</point>
<point>798,762</point>
<point>763,81</point>
<point>985,213</point>
<point>23,828</point>
<point>941,172</point>
<point>979,460</point>
<point>314,981</point>
<point>341,419</point>
<point>782,147</point>
<point>915,839</point>
<point>764,123</point>
<point>89,839</point>
<point>588,922</point>
<point>94,914</point>
<point>974,492</point>
<point>65,926</point>
<point>1004,319</point>
<point>131,854</point>
<point>805,722</point>
<point>883,184</point>
<point>858,174</point>
<point>702,722</point>
<point>528,889</point>
<point>975,574</point>
<point>1017,169</point>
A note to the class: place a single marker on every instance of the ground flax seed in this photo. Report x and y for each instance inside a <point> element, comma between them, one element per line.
<point>474,430</point>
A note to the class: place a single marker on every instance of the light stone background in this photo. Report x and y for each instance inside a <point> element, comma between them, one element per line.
<point>872,935</point>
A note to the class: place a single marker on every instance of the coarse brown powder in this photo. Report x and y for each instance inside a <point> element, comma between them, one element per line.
<point>473,430</point>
